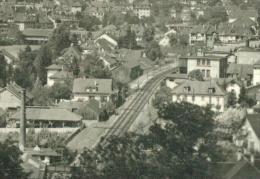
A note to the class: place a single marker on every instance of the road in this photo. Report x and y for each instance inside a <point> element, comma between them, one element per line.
<point>118,125</point>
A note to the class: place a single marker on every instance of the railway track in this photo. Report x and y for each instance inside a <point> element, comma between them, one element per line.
<point>127,118</point>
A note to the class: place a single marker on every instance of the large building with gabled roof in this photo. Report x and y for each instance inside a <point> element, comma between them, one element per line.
<point>201,93</point>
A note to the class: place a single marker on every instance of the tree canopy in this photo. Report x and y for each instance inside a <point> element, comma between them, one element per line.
<point>183,146</point>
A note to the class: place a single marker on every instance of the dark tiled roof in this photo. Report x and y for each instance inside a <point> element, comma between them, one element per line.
<point>16,90</point>
<point>47,114</point>
<point>81,84</point>
<point>203,29</point>
<point>37,32</point>
<point>199,88</point>
<point>71,52</point>
<point>243,70</point>
<point>254,120</point>
<point>62,75</point>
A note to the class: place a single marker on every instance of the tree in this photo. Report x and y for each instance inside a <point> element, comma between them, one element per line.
<point>24,74</point>
<point>129,40</point>
<point>94,67</point>
<point>11,161</point>
<point>196,75</point>
<point>215,15</point>
<point>153,51</point>
<point>180,148</point>
<point>3,71</point>
<point>61,91</point>
<point>244,100</point>
<point>148,34</point>
<point>89,22</point>
<point>162,97</point>
<point>75,67</point>
<point>41,96</point>
<point>232,99</point>
<point>42,60</point>
<point>59,40</point>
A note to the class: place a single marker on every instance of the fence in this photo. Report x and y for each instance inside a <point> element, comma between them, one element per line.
<point>37,130</point>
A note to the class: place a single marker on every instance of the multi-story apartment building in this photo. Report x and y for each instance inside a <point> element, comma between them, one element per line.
<point>210,66</point>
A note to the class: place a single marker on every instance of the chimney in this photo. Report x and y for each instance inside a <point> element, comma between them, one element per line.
<point>22,136</point>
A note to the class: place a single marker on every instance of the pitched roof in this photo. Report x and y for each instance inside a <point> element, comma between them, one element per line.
<point>254,121</point>
<point>80,85</point>
<point>62,75</point>
<point>37,32</point>
<point>15,89</point>
<point>47,114</point>
<point>243,70</point>
<point>54,67</point>
<point>41,152</point>
<point>76,105</point>
<point>71,52</point>
<point>203,29</point>
<point>199,88</point>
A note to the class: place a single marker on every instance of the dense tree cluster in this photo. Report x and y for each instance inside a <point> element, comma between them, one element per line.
<point>184,146</point>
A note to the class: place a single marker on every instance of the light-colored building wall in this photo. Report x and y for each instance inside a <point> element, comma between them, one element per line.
<point>256,76</point>
<point>202,100</point>
<point>86,97</point>
<point>213,67</point>
<point>8,100</point>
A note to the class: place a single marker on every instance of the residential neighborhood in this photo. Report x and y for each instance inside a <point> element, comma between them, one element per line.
<point>129,89</point>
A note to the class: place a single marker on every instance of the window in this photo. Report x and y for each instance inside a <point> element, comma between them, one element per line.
<point>185,98</point>
<point>208,62</point>
<point>218,100</point>
<point>208,73</point>
<point>193,98</point>
<point>202,98</point>
<point>198,62</point>
<point>203,62</point>
<point>203,73</point>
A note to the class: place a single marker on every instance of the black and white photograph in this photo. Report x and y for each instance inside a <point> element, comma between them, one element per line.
<point>129,89</point>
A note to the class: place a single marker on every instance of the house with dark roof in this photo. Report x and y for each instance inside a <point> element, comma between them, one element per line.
<point>71,52</point>
<point>241,72</point>
<point>203,34</point>
<point>48,116</point>
<point>201,93</point>
<point>252,128</point>
<point>85,89</point>
<point>237,31</point>
<point>211,66</point>
<point>10,97</point>
<point>37,36</point>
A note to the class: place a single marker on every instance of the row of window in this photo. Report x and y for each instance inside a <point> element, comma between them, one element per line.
<point>193,98</point>
<point>203,62</point>
<point>205,73</point>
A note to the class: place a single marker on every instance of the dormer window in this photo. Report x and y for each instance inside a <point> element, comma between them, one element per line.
<point>211,90</point>
<point>187,89</point>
